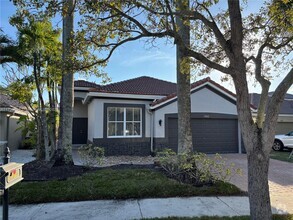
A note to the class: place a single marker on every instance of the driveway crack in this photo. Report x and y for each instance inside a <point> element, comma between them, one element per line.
<point>228,205</point>
<point>139,208</point>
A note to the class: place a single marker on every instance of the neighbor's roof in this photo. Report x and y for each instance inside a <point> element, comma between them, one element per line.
<point>286,106</point>
<point>140,86</point>
<point>8,104</point>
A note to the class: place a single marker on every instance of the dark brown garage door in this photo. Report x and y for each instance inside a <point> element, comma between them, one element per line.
<point>209,135</point>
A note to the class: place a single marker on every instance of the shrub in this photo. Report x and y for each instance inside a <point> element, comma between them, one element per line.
<point>91,155</point>
<point>29,142</point>
<point>196,168</point>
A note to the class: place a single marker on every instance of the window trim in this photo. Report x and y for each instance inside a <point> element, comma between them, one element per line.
<point>125,106</point>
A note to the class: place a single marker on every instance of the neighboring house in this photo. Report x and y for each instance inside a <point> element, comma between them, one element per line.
<point>285,119</point>
<point>139,115</point>
<point>10,111</point>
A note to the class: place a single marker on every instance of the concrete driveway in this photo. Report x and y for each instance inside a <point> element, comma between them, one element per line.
<point>280,180</point>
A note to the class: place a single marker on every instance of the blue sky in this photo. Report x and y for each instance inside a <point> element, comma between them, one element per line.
<point>134,59</point>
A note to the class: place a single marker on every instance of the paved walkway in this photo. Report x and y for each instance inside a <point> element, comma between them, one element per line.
<point>133,209</point>
<point>280,180</point>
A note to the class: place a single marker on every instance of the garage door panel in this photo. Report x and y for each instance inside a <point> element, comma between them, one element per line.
<point>209,135</point>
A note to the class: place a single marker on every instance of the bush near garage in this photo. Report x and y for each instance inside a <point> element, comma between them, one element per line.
<point>196,168</point>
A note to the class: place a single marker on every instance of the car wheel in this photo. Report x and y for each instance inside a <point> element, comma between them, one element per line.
<point>278,145</point>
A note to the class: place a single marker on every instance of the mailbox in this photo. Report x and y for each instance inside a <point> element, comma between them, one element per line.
<point>11,174</point>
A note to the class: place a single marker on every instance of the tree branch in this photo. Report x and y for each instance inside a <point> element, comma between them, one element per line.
<point>276,101</point>
<point>212,25</point>
<point>207,62</point>
<point>236,28</point>
<point>279,46</point>
<point>111,51</point>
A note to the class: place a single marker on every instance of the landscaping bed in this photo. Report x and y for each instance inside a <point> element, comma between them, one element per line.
<point>44,183</point>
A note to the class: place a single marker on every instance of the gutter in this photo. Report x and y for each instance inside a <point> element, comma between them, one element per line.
<point>151,129</point>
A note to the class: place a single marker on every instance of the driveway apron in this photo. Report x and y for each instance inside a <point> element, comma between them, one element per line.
<point>280,181</point>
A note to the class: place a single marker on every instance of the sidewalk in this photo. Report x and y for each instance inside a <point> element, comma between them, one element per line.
<point>133,209</point>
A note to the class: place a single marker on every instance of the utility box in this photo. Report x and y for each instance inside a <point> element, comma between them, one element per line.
<point>11,174</point>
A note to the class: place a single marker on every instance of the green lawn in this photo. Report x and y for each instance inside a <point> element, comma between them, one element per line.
<point>275,217</point>
<point>112,184</point>
<point>281,155</point>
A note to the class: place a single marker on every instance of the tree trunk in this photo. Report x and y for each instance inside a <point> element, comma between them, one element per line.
<point>256,144</point>
<point>64,152</point>
<point>43,152</point>
<point>40,151</point>
<point>52,115</point>
<point>183,85</point>
<point>258,187</point>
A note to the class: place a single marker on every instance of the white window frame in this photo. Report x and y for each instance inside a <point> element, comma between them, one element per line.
<point>124,122</point>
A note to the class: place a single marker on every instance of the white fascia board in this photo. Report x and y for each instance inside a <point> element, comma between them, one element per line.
<point>163,103</point>
<point>78,88</point>
<point>279,115</point>
<point>8,110</point>
<point>119,95</point>
<point>286,115</point>
<point>14,111</point>
<point>82,88</point>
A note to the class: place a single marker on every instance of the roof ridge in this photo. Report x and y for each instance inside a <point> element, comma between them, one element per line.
<point>139,77</point>
<point>159,79</point>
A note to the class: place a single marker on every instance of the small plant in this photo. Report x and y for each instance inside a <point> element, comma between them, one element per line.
<point>29,142</point>
<point>91,155</point>
<point>196,168</point>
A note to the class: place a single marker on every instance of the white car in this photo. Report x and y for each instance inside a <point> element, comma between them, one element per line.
<point>283,141</point>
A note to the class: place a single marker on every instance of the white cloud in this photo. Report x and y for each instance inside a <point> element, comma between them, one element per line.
<point>156,56</point>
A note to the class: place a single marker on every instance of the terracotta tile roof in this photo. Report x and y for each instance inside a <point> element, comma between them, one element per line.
<point>7,102</point>
<point>142,86</point>
<point>83,83</point>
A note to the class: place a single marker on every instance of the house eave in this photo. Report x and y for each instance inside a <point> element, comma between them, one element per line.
<point>13,111</point>
<point>92,95</point>
<point>82,89</point>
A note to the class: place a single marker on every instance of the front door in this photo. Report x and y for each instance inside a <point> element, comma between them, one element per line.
<point>79,131</point>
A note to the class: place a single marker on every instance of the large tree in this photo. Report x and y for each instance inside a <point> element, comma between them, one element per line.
<point>226,42</point>
<point>183,82</point>
<point>64,154</point>
<point>39,47</point>
<point>75,57</point>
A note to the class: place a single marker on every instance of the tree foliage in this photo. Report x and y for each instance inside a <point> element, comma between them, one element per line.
<point>256,45</point>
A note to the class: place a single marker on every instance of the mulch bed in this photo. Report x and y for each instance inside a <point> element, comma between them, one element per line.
<point>38,170</point>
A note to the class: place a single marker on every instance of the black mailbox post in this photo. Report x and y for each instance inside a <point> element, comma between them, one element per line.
<point>11,173</point>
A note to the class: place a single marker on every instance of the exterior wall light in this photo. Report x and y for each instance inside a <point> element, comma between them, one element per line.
<point>160,122</point>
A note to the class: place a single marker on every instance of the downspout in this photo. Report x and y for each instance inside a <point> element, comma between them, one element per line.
<point>151,130</point>
<point>7,127</point>
<point>239,139</point>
